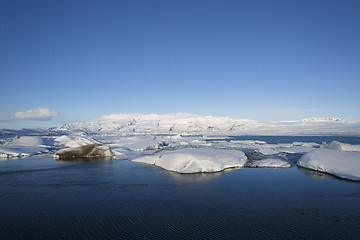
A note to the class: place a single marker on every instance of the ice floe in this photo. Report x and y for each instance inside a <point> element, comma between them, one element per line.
<point>28,141</point>
<point>196,160</point>
<point>335,145</point>
<point>295,149</point>
<point>343,164</point>
<point>11,151</point>
<point>269,163</point>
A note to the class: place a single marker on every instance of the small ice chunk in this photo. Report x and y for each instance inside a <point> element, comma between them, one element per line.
<point>295,149</point>
<point>306,144</point>
<point>196,160</point>
<point>267,150</point>
<point>91,150</point>
<point>343,164</point>
<point>269,163</point>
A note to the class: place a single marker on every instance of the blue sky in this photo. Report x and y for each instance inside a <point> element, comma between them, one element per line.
<point>263,60</point>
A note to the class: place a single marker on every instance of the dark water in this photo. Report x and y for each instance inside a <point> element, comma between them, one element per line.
<point>41,198</point>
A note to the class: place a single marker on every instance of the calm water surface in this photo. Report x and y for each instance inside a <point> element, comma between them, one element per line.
<point>41,198</point>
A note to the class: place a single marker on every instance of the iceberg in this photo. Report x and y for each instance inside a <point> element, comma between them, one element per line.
<point>343,164</point>
<point>335,145</point>
<point>196,160</point>
<point>86,151</point>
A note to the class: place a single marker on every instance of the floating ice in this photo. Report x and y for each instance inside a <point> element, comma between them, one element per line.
<point>28,141</point>
<point>91,150</point>
<point>335,145</point>
<point>296,149</point>
<point>10,151</point>
<point>269,163</point>
<point>343,164</point>
<point>196,160</point>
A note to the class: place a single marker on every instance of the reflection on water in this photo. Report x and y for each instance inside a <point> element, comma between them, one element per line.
<point>194,177</point>
<point>89,159</point>
<point>316,174</point>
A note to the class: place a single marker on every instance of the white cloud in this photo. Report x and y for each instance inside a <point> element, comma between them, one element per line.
<point>39,114</point>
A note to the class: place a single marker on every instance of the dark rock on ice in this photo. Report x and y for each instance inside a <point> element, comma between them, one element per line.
<point>86,151</point>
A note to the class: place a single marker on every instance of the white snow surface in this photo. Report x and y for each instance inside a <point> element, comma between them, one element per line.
<point>269,163</point>
<point>196,160</point>
<point>145,123</point>
<point>28,141</point>
<point>193,123</point>
<point>335,145</point>
<point>295,149</point>
<point>11,151</point>
<point>343,164</point>
<point>73,140</point>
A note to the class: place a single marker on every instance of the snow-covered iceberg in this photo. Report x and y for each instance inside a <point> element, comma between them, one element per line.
<point>196,160</point>
<point>86,151</point>
<point>343,164</point>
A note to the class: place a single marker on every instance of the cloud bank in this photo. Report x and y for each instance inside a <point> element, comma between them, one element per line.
<point>39,114</point>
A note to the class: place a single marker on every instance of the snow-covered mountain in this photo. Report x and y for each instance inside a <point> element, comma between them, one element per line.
<point>323,120</point>
<point>150,123</point>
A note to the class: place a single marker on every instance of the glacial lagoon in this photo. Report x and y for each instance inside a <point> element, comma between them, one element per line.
<point>42,198</point>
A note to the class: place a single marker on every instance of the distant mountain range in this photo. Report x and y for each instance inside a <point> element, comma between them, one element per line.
<point>193,123</point>
<point>182,122</point>
<point>323,120</point>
